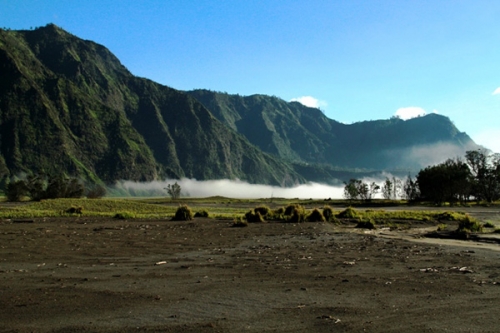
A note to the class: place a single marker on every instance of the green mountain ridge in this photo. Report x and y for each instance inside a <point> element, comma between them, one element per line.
<point>69,106</point>
<point>296,132</point>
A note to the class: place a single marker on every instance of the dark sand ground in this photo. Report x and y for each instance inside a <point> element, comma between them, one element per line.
<point>101,275</point>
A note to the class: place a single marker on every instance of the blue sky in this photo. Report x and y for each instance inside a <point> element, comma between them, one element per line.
<point>356,60</point>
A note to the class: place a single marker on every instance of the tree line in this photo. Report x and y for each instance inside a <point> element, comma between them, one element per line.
<point>40,187</point>
<point>475,177</point>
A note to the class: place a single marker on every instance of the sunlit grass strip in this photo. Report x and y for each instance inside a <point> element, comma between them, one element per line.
<point>102,207</point>
<point>417,215</point>
<point>223,210</point>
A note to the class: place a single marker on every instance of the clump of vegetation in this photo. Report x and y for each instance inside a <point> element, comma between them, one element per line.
<point>202,213</point>
<point>298,215</point>
<point>124,216</point>
<point>315,216</point>
<point>348,213</point>
<point>370,224</point>
<point>442,227</point>
<point>239,223</point>
<point>450,216</point>
<point>469,224</point>
<point>328,213</point>
<point>263,210</point>
<point>277,214</point>
<point>290,208</point>
<point>254,217</point>
<point>183,213</point>
<point>74,210</point>
<point>489,225</point>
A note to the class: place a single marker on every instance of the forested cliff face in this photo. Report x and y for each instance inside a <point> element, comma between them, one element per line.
<point>68,106</point>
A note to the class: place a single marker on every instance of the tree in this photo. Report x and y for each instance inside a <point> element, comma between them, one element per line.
<point>16,190</point>
<point>445,182</point>
<point>397,186</point>
<point>374,188</point>
<point>62,187</point>
<point>411,192</point>
<point>485,170</point>
<point>356,189</point>
<point>351,189</point>
<point>174,190</point>
<point>37,187</point>
<point>96,191</point>
<point>387,189</point>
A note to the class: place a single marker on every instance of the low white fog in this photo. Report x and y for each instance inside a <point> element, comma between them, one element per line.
<point>232,189</point>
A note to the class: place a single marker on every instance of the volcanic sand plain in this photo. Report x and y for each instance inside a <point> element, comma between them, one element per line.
<point>90,274</point>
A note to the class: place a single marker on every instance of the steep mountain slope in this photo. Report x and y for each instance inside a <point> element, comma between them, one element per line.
<point>295,132</point>
<point>69,106</point>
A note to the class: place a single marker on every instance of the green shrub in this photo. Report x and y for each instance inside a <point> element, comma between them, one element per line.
<point>370,224</point>
<point>183,213</point>
<point>315,216</point>
<point>328,213</point>
<point>252,217</point>
<point>263,210</point>
<point>469,224</point>
<point>348,213</point>
<point>202,213</point>
<point>497,231</point>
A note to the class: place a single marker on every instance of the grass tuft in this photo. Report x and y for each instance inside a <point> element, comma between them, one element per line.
<point>489,225</point>
<point>238,223</point>
<point>348,213</point>
<point>328,213</point>
<point>370,224</point>
<point>124,216</point>
<point>469,224</point>
<point>263,210</point>
<point>442,227</point>
<point>315,216</point>
<point>298,215</point>
<point>202,213</point>
<point>183,213</point>
<point>74,210</point>
<point>254,217</point>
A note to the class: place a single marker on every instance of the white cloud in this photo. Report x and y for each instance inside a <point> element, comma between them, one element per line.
<point>309,101</point>
<point>489,138</point>
<point>410,112</point>
<point>497,91</point>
